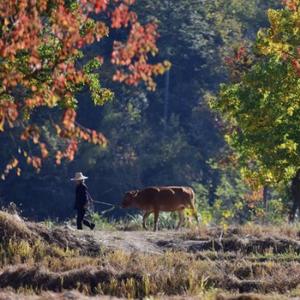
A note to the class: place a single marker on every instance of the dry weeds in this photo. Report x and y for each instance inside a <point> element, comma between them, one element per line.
<point>200,262</point>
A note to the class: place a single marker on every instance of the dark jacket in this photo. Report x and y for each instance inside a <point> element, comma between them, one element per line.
<point>82,197</point>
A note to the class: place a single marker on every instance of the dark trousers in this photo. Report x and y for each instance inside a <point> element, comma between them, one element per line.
<point>80,219</point>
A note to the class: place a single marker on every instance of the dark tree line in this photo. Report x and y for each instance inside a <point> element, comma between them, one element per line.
<point>164,137</point>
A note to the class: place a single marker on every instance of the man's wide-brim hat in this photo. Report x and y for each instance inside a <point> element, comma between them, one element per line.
<point>79,176</point>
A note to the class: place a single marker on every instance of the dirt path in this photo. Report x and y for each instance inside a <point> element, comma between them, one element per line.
<point>161,241</point>
<point>141,241</point>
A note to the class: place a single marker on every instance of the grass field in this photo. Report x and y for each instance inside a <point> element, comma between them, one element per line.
<point>248,262</point>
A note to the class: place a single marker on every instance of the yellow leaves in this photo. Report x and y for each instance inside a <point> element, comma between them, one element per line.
<point>228,138</point>
<point>283,26</point>
<point>290,171</point>
<point>273,47</point>
<point>290,110</point>
<point>1,121</point>
<point>6,22</point>
<point>52,100</point>
<point>227,214</point>
<point>239,205</point>
<point>289,145</point>
<point>269,176</point>
<point>274,17</point>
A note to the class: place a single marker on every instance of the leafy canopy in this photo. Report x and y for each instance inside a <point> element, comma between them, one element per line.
<point>42,67</point>
<point>261,109</point>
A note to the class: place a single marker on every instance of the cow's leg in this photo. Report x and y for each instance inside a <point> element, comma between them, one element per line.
<point>156,214</point>
<point>181,218</point>
<point>194,212</point>
<point>146,215</point>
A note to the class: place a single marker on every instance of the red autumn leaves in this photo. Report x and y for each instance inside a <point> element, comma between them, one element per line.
<point>40,41</point>
<point>291,4</point>
<point>134,54</point>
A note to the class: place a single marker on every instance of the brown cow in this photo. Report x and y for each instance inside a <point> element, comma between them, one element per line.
<point>165,198</point>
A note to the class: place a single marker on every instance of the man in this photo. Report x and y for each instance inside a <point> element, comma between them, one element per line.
<point>82,201</point>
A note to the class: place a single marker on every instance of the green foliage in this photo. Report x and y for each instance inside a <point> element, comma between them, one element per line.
<point>230,205</point>
<point>261,111</point>
<point>276,212</point>
<point>102,223</point>
<point>205,210</point>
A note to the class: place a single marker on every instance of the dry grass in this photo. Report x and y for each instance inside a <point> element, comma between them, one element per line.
<point>75,295</point>
<point>248,259</point>
<point>67,295</point>
<point>137,275</point>
<point>13,228</point>
<point>288,231</point>
<point>118,274</point>
<point>251,297</point>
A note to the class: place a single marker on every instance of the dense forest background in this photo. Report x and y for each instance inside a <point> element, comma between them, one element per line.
<point>165,137</point>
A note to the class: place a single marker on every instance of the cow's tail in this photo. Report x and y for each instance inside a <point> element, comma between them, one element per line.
<point>193,206</point>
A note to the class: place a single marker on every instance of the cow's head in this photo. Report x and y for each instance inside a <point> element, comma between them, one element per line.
<point>129,199</point>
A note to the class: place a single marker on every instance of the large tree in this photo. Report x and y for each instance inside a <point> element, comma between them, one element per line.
<point>42,68</point>
<point>262,108</point>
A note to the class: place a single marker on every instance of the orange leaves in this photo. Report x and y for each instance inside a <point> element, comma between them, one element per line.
<point>66,27</point>
<point>73,134</point>
<point>134,55</point>
<point>35,161</point>
<point>291,4</point>
<point>21,28</point>
<point>42,5</point>
<point>141,40</point>
<point>73,137</point>
<point>80,133</point>
<point>296,65</point>
<point>44,151</point>
<point>31,132</point>
<point>95,5</point>
<point>97,138</point>
<point>254,196</point>
<point>13,164</point>
<point>69,118</point>
<point>8,113</point>
<point>69,152</point>
<point>35,101</point>
<point>121,16</point>
<point>40,47</point>
<point>2,120</point>
<point>11,113</point>
<point>141,72</point>
<point>100,31</point>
